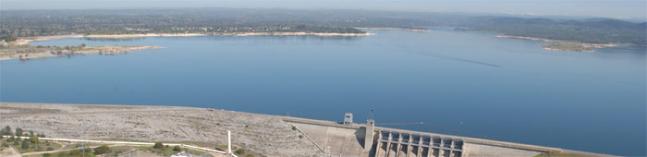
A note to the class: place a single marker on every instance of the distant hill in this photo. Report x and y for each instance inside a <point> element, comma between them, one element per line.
<point>53,22</point>
<point>587,30</point>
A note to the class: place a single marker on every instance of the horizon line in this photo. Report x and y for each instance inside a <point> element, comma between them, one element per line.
<point>629,19</point>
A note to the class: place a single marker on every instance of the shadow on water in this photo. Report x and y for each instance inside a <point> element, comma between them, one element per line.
<point>463,60</point>
<point>445,57</point>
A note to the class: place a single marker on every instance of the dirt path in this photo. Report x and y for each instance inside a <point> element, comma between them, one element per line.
<point>54,151</point>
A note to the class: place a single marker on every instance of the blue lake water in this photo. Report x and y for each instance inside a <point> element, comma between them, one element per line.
<point>469,84</point>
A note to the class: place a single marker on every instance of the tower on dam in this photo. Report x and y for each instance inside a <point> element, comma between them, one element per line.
<point>348,118</point>
<point>369,134</point>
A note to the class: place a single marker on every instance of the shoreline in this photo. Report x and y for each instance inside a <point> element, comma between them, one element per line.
<point>90,50</point>
<point>561,45</point>
<point>395,29</point>
<point>29,40</point>
<point>23,50</point>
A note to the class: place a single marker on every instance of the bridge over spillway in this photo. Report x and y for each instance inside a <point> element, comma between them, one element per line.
<point>392,143</point>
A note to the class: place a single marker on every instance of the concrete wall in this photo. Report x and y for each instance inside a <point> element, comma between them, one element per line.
<point>479,150</point>
<point>334,141</point>
<point>341,140</point>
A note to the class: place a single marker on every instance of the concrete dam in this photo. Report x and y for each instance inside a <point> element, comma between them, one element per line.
<point>345,139</point>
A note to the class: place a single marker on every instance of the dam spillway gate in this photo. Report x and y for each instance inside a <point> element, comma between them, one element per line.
<point>393,143</point>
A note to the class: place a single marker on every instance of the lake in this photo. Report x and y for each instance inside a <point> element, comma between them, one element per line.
<point>460,83</point>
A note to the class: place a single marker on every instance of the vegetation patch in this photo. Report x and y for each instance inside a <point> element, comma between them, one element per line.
<point>165,150</point>
<point>102,150</point>
<point>25,141</point>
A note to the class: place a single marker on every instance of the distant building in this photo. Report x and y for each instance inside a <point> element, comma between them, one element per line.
<point>348,118</point>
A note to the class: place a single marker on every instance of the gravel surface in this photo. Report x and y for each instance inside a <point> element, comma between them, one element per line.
<point>262,134</point>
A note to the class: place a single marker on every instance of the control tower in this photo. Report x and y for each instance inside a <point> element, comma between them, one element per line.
<point>348,118</point>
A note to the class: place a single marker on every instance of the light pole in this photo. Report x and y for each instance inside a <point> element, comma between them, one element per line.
<point>229,144</point>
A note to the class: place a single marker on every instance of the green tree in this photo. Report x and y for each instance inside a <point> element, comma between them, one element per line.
<point>9,38</point>
<point>101,149</point>
<point>75,152</point>
<point>6,131</point>
<point>19,132</point>
<point>33,139</point>
<point>158,145</point>
<point>24,145</point>
<point>240,151</point>
<point>177,148</point>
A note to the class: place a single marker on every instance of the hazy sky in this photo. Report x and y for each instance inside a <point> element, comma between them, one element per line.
<point>601,8</point>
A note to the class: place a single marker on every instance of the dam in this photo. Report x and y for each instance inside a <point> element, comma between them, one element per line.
<point>368,140</point>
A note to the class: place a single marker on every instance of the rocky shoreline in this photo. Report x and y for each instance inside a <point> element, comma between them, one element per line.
<point>29,53</point>
<point>559,45</point>
<point>263,134</point>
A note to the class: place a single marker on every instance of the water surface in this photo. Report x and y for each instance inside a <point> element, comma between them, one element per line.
<point>460,83</point>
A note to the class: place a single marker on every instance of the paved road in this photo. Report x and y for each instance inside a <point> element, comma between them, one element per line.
<point>209,150</point>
